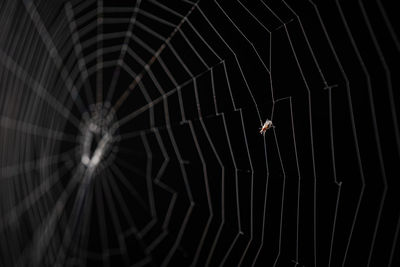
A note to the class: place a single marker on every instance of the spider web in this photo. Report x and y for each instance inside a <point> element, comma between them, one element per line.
<point>130,133</point>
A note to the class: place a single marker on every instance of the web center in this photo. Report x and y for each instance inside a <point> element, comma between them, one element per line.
<point>95,146</point>
<point>98,140</point>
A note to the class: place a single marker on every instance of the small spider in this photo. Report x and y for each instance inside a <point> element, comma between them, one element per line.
<point>267,125</point>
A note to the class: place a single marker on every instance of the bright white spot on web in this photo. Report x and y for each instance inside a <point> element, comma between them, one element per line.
<point>85,159</point>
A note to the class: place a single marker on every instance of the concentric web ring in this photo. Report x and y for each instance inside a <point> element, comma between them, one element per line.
<point>130,133</point>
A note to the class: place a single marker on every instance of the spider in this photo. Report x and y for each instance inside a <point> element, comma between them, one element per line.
<point>267,125</point>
